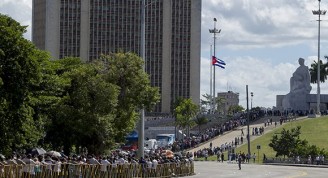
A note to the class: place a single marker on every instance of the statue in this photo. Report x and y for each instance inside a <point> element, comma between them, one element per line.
<point>299,88</point>
<point>300,81</point>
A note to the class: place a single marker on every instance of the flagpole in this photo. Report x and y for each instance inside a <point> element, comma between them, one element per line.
<point>214,31</point>
<point>211,96</point>
<point>214,95</point>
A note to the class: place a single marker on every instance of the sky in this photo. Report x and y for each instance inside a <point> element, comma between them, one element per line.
<point>260,42</point>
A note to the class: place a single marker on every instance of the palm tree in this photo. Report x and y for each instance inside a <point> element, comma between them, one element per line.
<point>234,109</point>
<point>185,113</point>
<point>220,103</point>
<point>323,71</point>
<point>200,120</point>
<point>207,100</point>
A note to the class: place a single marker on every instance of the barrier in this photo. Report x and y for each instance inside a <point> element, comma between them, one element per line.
<point>95,171</point>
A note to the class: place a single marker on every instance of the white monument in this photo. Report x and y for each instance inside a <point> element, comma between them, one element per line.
<point>299,89</point>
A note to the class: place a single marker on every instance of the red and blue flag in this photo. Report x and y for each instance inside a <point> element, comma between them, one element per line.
<point>218,62</point>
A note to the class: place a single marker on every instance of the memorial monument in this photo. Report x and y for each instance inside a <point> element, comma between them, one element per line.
<point>300,87</point>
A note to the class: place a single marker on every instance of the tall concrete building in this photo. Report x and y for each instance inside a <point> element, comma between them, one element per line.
<point>89,28</point>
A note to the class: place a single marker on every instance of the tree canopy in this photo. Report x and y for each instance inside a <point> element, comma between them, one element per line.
<point>66,104</point>
<point>20,73</point>
<point>208,101</point>
<point>289,144</point>
<point>235,108</point>
<point>200,120</point>
<point>125,70</point>
<point>102,101</point>
<point>185,113</point>
<point>314,71</point>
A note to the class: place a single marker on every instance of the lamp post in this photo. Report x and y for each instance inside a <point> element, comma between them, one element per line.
<point>252,94</point>
<point>248,136</point>
<point>214,31</point>
<point>319,13</point>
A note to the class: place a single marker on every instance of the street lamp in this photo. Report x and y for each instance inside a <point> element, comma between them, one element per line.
<point>214,31</point>
<point>252,94</point>
<point>248,136</point>
<point>319,13</point>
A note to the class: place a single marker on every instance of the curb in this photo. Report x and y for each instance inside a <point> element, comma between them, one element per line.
<point>297,165</point>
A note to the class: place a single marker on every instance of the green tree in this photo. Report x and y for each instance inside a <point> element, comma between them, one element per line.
<point>314,151</point>
<point>185,113</point>
<point>66,103</point>
<point>220,103</point>
<point>20,72</point>
<point>87,110</point>
<point>101,101</point>
<point>235,108</point>
<point>206,102</point>
<point>201,120</point>
<point>314,71</point>
<point>49,93</point>
<point>125,70</point>
<point>288,142</point>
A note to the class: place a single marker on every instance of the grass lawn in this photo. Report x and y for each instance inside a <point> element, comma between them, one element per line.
<point>314,130</point>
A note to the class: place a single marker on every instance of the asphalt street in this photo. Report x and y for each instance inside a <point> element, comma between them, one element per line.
<point>213,169</point>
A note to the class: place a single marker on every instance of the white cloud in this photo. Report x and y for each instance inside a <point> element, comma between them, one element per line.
<point>251,25</point>
<point>264,79</point>
<point>20,10</point>
<point>246,25</point>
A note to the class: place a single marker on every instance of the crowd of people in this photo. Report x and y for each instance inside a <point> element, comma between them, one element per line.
<point>31,164</point>
<point>211,132</point>
<point>219,129</point>
<point>154,157</point>
<point>151,159</point>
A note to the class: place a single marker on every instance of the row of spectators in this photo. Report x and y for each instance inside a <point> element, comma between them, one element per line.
<point>218,129</point>
<point>32,163</point>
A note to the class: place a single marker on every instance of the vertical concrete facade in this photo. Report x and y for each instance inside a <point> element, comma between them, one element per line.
<point>39,23</point>
<point>85,29</point>
<point>196,8</point>
<point>52,26</point>
<point>90,28</point>
<point>166,67</point>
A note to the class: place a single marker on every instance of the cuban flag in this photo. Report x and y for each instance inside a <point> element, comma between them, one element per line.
<point>218,62</point>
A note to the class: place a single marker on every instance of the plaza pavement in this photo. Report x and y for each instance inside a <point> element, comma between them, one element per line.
<point>213,169</point>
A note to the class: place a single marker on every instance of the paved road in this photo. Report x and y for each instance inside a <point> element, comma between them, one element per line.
<point>230,136</point>
<point>209,169</point>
